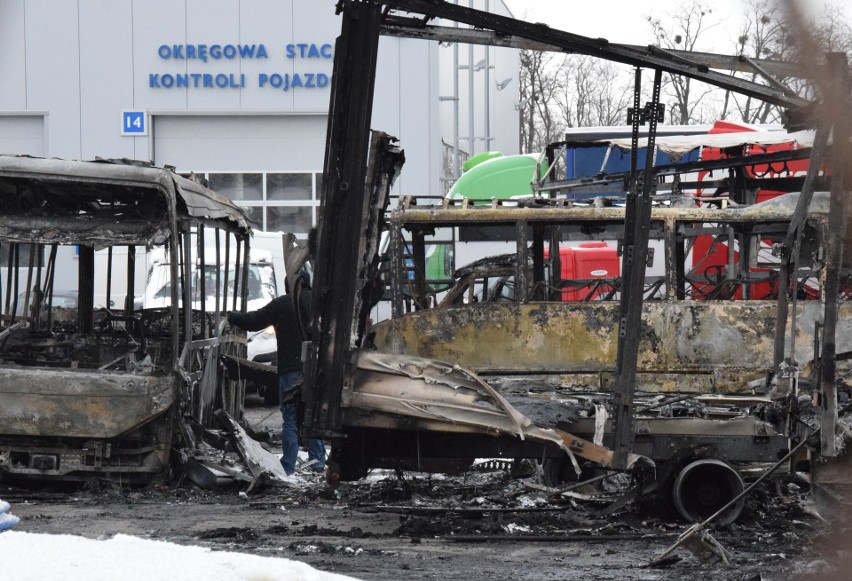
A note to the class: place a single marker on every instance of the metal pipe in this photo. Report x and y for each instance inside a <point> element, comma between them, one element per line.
<point>238,279</point>
<point>109,279</point>
<point>48,283</point>
<point>456,168</point>
<point>218,293</point>
<point>202,279</point>
<point>227,272</point>
<point>487,91</point>
<point>470,121</point>
<point>703,486</point>
<point>131,280</point>
<point>186,277</point>
<point>28,290</point>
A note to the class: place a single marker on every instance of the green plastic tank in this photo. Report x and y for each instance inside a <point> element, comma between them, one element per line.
<point>493,175</point>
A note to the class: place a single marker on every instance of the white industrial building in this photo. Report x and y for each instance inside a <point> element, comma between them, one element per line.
<point>238,90</point>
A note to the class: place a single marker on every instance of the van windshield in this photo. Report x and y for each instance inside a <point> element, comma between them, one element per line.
<point>261,282</point>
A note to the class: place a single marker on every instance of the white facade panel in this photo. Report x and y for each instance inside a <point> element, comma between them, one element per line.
<point>106,82</point>
<point>422,177</point>
<point>210,23</point>
<point>240,143</point>
<point>270,22</point>
<point>13,70</point>
<point>22,134</point>
<point>156,23</point>
<point>387,97</point>
<point>53,72</point>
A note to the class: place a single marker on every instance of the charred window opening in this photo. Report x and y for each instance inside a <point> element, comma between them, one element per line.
<point>72,306</point>
<point>25,197</point>
<point>563,261</point>
<point>110,308</point>
<point>575,254</point>
<point>739,261</point>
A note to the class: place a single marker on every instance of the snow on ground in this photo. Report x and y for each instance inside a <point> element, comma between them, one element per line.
<point>42,557</point>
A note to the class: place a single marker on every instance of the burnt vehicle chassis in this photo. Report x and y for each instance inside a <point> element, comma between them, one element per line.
<point>90,385</point>
<point>369,418</point>
<point>705,343</point>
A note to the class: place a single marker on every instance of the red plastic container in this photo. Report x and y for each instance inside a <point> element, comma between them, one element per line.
<point>589,260</point>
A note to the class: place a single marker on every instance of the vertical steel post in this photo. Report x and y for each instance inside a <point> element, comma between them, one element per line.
<point>522,276</point>
<point>790,248</point>
<point>201,259</point>
<point>398,279</point>
<point>186,277</point>
<point>345,214</point>
<point>539,286</point>
<point>131,280</point>
<point>418,259</point>
<point>838,104</point>
<point>86,295</point>
<point>637,225</point>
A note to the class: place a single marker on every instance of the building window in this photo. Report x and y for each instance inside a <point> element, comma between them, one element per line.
<point>273,200</point>
<point>239,187</point>
<point>296,219</point>
<point>289,186</point>
<point>255,214</point>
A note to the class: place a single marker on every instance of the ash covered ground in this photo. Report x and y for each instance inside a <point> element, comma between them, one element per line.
<point>485,524</point>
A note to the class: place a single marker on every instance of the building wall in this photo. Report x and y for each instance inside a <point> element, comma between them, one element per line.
<point>489,120</point>
<point>70,67</point>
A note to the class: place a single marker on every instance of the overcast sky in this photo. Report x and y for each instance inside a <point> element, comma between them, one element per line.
<point>625,21</point>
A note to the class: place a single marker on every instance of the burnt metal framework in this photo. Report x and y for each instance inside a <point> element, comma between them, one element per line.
<point>637,222</point>
<point>646,57</point>
<point>769,69</point>
<point>345,224</point>
<point>346,208</point>
<point>737,183</point>
<point>741,237</point>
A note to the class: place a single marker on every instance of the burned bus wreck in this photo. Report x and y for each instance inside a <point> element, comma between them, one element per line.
<point>710,303</point>
<point>706,340</point>
<point>89,385</point>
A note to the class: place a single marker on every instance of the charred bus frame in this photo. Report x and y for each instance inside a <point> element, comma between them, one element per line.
<point>95,387</point>
<point>349,229</point>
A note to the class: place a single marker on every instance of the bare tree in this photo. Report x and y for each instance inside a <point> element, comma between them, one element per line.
<point>683,30</point>
<point>593,92</point>
<point>768,32</point>
<point>559,91</point>
<point>833,30</point>
<point>539,83</point>
<point>763,34</point>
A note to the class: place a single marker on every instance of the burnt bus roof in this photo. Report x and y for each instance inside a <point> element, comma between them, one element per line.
<point>102,202</point>
<point>460,212</point>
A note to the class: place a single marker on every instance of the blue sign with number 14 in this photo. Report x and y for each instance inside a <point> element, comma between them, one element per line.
<point>133,123</point>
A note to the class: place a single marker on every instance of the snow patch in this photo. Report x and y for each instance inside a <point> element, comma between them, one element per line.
<point>41,557</point>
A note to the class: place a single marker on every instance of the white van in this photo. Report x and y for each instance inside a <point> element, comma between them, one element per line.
<point>262,288</point>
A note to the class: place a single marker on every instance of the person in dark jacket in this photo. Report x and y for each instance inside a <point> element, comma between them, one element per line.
<point>280,314</point>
